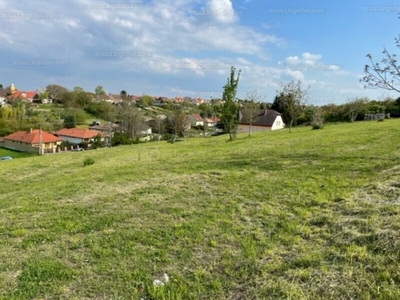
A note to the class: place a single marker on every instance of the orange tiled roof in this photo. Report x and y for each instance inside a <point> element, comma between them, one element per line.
<point>24,95</point>
<point>80,133</point>
<point>197,117</point>
<point>32,137</point>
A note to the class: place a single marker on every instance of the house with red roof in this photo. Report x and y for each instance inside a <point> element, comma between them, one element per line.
<point>197,120</point>
<point>78,136</point>
<point>25,96</point>
<point>29,141</point>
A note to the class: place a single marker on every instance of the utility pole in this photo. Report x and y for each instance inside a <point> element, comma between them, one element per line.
<point>40,140</point>
<point>109,139</point>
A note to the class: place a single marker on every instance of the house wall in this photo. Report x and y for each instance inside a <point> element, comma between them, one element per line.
<point>194,122</point>
<point>71,140</point>
<point>33,148</point>
<point>278,124</point>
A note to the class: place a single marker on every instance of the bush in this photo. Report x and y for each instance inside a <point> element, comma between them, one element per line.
<point>317,126</point>
<point>88,161</point>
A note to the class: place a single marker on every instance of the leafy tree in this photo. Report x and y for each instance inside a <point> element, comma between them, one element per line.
<point>55,91</point>
<point>69,121</point>
<point>355,106</point>
<point>123,94</point>
<point>291,100</point>
<point>120,138</point>
<point>146,100</point>
<point>1,87</point>
<point>229,109</point>
<point>99,90</point>
<point>43,96</point>
<point>78,90</point>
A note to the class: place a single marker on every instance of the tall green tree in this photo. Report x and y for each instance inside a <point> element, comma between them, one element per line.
<point>99,90</point>
<point>69,121</point>
<point>229,111</point>
<point>123,94</point>
<point>292,99</point>
<point>145,100</point>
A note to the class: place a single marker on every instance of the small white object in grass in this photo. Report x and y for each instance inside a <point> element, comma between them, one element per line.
<point>158,282</point>
<point>166,278</point>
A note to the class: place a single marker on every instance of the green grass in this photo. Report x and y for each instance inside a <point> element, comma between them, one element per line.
<point>15,154</point>
<point>312,214</point>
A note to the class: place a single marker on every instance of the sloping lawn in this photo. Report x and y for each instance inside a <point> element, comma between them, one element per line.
<point>14,154</point>
<point>312,214</point>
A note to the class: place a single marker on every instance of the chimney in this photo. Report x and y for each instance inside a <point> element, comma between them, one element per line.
<point>31,130</point>
<point>265,111</point>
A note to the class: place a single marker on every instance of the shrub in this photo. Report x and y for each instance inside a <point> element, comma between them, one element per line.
<point>88,161</point>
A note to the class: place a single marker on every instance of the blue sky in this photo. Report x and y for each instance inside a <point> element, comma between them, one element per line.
<point>186,47</point>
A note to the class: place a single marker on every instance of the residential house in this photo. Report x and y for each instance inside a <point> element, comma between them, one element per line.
<point>38,100</point>
<point>196,120</point>
<point>25,96</point>
<point>212,122</point>
<point>266,120</point>
<point>116,99</point>
<point>78,136</point>
<point>178,99</point>
<point>29,141</point>
<point>105,128</point>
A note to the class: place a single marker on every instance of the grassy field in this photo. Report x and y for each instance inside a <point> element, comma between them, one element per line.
<point>14,154</point>
<point>312,214</point>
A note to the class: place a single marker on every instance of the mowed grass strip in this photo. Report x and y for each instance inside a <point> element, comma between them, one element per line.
<point>303,215</point>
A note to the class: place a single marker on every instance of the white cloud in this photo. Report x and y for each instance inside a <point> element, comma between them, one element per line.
<point>221,10</point>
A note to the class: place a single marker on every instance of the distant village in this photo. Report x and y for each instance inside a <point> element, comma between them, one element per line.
<point>201,119</point>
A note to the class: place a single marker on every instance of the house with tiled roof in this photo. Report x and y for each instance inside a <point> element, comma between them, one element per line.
<point>116,99</point>
<point>29,141</point>
<point>79,136</point>
<point>266,120</point>
<point>25,96</point>
<point>196,120</point>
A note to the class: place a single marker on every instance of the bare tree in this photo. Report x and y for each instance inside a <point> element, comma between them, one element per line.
<point>355,106</point>
<point>251,109</point>
<point>383,75</point>
<point>292,99</point>
<point>132,120</point>
<point>180,124</point>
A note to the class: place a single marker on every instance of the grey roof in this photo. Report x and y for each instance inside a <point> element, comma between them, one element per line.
<point>264,118</point>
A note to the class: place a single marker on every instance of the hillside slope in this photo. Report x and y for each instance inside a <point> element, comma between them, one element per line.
<point>303,215</point>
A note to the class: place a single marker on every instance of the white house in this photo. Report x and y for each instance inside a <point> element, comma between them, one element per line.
<point>266,120</point>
